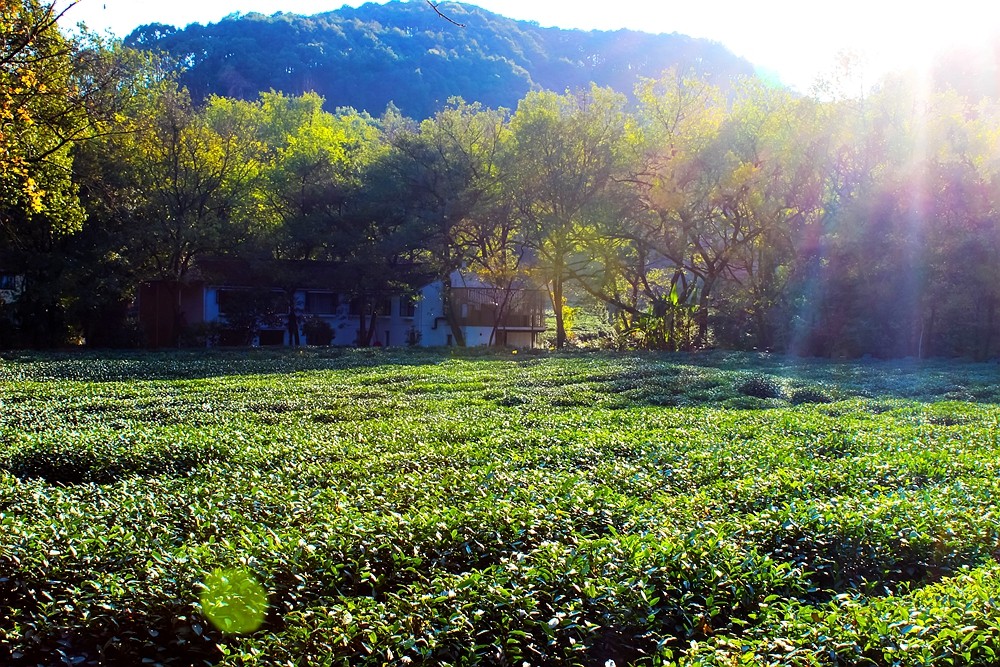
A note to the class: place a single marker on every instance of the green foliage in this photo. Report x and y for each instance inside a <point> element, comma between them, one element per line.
<point>248,311</point>
<point>760,386</point>
<point>809,395</point>
<point>371,507</point>
<point>42,112</point>
<point>568,318</point>
<point>318,331</point>
<point>707,211</point>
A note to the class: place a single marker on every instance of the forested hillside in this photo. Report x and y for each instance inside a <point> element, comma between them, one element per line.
<point>404,53</point>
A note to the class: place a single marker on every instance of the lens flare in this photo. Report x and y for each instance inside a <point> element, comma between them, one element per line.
<point>233,601</point>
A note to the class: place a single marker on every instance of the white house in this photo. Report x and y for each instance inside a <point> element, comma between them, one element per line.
<point>238,305</point>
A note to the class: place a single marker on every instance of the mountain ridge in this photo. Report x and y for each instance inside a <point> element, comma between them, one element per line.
<point>405,54</point>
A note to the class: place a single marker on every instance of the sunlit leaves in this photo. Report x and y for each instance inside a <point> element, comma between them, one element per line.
<point>41,114</point>
<point>568,149</point>
<point>233,601</point>
<point>313,169</point>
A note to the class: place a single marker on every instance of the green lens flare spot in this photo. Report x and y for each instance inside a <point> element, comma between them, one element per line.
<point>233,601</point>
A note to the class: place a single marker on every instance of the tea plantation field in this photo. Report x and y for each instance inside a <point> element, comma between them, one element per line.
<point>409,508</point>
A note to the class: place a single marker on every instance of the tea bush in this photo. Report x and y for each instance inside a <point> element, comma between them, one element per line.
<point>760,386</point>
<point>413,507</point>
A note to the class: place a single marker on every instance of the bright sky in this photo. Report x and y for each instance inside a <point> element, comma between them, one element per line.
<point>798,40</point>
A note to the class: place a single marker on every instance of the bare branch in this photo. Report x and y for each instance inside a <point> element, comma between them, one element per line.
<point>446,18</point>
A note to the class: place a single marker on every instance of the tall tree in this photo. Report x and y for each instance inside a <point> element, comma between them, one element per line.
<point>310,185</point>
<point>197,168</point>
<point>680,246</point>
<point>780,144</point>
<point>568,148</point>
<point>314,164</point>
<point>41,114</point>
<point>449,168</point>
<point>177,180</point>
<point>57,94</point>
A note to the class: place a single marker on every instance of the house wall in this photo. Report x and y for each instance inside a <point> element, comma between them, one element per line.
<point>521,339</point>
<point>393,329</point>
<point>165,308</point>
<point>430,321</point>
<point>192,305</point>
<point>436,332</point>
<point>11,287</point>
<point>427,323</point>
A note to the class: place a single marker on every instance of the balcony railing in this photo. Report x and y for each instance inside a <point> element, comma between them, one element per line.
<point>518,308</point>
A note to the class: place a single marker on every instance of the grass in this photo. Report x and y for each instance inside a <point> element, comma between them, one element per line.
<point>406,507</point>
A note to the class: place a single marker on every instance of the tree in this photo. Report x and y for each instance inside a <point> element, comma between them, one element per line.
<point>449,169</point>
<point>41,114</point>
<point>724,183</point>
<point>954,195</point>
<point>57,97</point>
<point>177,181</point>
<point>310,184</point>
<point>197,168</point>
<point>855,289</point>
<point>779,140</point>
<point>313,170</point>
<point>676,247</point>
<point>567,148</point>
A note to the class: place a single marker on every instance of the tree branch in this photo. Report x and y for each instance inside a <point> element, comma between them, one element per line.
<point>446,18</point>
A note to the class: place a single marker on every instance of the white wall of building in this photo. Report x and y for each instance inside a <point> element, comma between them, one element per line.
<point>427,325</point>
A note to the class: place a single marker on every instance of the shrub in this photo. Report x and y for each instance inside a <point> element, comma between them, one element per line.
<point>318,331</point>
<point>202,334</point>
<point>760,386</point>
<point>810,395</point>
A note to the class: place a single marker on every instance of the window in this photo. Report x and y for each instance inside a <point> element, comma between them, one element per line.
<point>321,303</point>
<point>407,306</point>
<point>382,305</point>
<point>225,299</point>
<point>255,304</point>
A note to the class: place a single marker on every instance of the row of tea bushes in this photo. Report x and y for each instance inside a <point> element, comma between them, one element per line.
<point>396,509</point>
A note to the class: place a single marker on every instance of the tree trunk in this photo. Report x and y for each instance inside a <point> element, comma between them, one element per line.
<point>179,322</point>
<point>500,314</point>
<point>372,323</point>
<point>293,321</point>
<point>364,332</point>
<point>764,338</point>
<point>366,329</point>
<point>926,333</point>
<point>557,305</point>
<point>703,301</point>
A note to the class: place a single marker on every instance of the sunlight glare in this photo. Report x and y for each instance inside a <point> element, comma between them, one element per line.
<point>918,40</point>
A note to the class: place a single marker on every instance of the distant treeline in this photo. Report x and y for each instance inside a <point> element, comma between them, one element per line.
<point>689,215</point>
